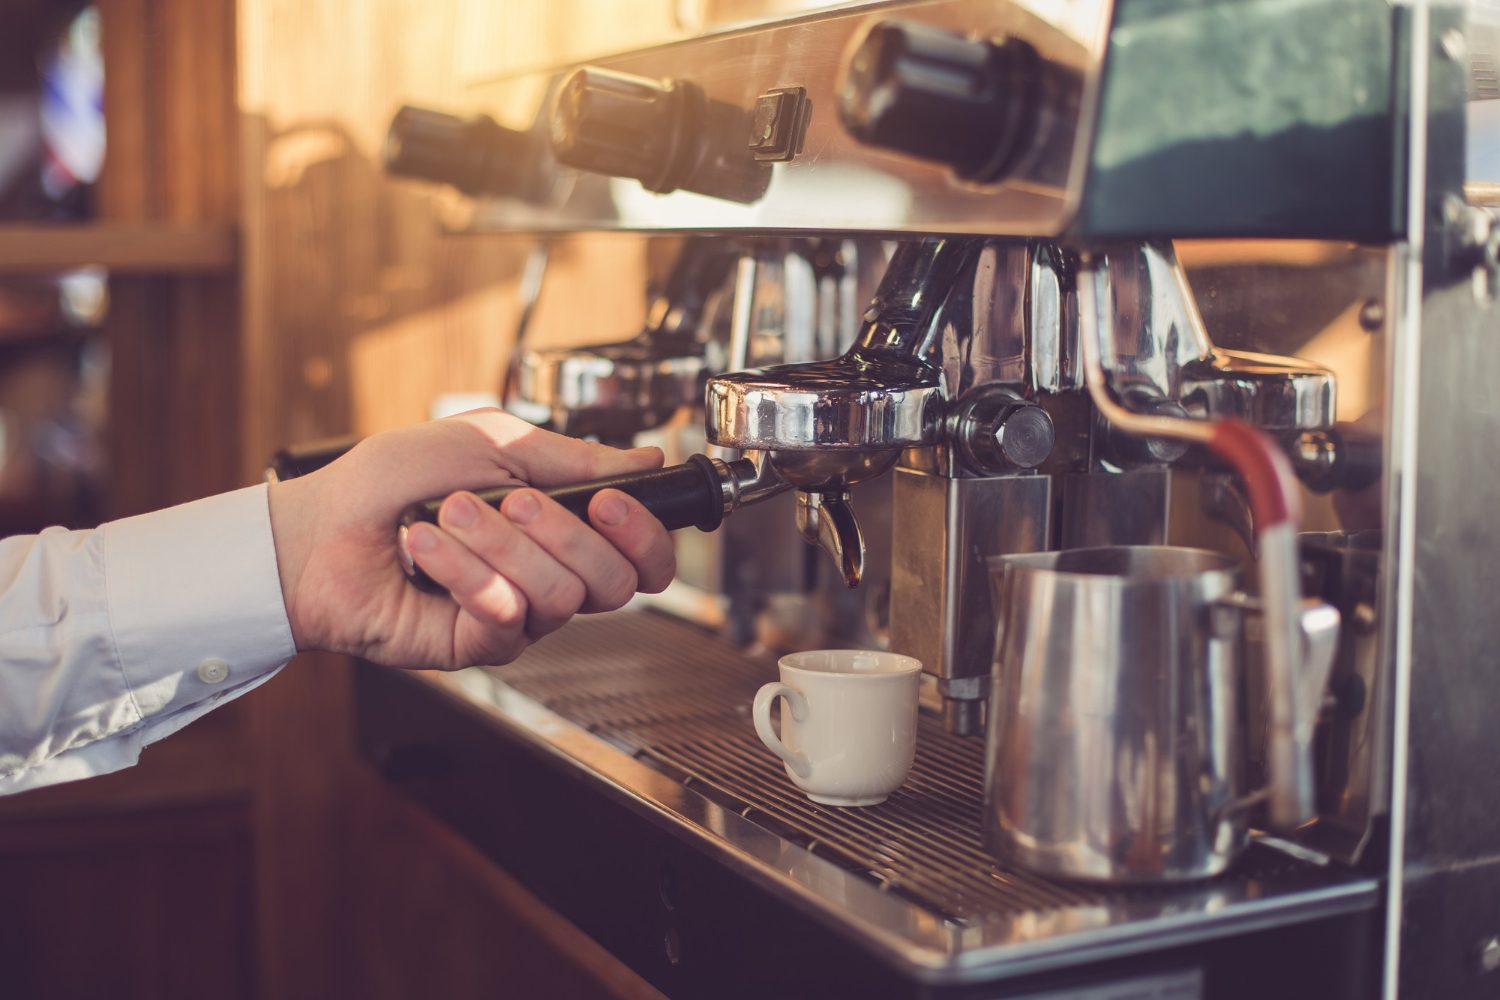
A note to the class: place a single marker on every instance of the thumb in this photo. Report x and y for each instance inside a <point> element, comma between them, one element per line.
<point>544,458</point>
<point>549,462</point>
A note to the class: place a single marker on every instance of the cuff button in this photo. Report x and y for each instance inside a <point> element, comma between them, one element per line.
<point>213,671</point>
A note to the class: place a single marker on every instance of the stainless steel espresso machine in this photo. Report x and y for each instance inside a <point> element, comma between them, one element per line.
<point>942,283</point>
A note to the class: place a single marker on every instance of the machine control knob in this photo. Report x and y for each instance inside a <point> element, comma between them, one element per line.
<point>666,134</point>
<point>970,103</point>
<point>476,155</point>
<point>1129,451</point>
<point>997,431</point>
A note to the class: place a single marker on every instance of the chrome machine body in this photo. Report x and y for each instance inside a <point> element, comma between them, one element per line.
<point>1104,229</point>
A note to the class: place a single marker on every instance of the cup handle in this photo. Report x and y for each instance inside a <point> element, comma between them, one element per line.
<point>761,713</point>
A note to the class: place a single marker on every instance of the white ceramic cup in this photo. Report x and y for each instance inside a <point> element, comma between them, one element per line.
<point>851,733</point>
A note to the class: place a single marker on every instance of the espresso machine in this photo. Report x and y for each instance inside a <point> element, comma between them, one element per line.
<point>1077,275</point>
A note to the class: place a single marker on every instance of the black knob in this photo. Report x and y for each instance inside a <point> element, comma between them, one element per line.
<point>476,155</point>
<point>666,134</point>
<point>970,103</point>
<point>1024,434</point>
<point>997,432</point>
<point>1129,450</point>
<point>1342,457</point>
<point>624,126</point>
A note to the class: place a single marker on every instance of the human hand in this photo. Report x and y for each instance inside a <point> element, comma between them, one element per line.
<point>513,575</point>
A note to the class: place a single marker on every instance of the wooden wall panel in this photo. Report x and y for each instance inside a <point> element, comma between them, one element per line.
<point>358,310</point>
<point>139,884</point>
<point>143,906</point>
<point>172,156</point>
<point>441,920</point>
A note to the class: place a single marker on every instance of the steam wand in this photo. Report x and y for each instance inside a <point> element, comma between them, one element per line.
<point>1274,502</point>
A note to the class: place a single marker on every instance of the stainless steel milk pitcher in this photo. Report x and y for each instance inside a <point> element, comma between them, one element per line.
<point>1116,744</point>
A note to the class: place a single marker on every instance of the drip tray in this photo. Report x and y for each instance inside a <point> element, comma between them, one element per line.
<point>679,698</point>
<point>645,712</point>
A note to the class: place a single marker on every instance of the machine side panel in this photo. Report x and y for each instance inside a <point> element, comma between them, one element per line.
<point>1246,118</point>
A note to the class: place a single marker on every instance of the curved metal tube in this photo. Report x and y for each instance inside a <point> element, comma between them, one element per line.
<point>1272,486</point>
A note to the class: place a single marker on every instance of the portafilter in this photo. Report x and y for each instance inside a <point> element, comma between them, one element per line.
<point>817,427</point>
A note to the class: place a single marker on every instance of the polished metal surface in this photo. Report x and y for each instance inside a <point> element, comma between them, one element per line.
<point>825,405</point>
<point>655,713</point>
<point>836,183</point>
<point>1155,346</point>
<point>942,363</point>
<point>880,396</point>
<point>1116,746</point>
<point>826,519</point>
<point>724,305</point>
<point>1273,393</point>
<point>1151,331</point>
<point>941,611</point>
<point>1266,472</point>
<point>612,391</point>
<point>1439,626</point>
<point>1116,508</point>
<point>830,424</point>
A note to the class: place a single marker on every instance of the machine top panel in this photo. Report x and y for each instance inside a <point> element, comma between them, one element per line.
<point>776,158</point>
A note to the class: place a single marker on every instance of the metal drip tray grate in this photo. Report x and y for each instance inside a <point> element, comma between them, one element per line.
<point>680,699</point>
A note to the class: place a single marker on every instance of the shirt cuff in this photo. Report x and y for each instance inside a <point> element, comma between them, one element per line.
<point>195,601</point>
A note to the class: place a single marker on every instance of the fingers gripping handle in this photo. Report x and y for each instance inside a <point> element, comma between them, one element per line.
<point>680,496</point>
<point>761,713</point>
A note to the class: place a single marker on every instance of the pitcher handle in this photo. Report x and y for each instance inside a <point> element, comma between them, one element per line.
<point>1319,623</point>
<point>761,713</point>
<point>1318,626</point>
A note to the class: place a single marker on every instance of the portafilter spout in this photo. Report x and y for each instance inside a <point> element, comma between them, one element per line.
<point>827,425</point>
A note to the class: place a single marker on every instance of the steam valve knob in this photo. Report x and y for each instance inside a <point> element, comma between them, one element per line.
<point>1129,451</point>
<point>476,155</point>
<point>1024,435</point>
<point>970,103</point>
<point>666,134</point>
<point>999,432</point>
<point>617,124</point>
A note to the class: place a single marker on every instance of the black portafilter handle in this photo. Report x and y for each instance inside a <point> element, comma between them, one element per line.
<point>680,496</point>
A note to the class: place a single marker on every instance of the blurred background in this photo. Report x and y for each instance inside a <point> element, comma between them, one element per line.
<point>200,261</point>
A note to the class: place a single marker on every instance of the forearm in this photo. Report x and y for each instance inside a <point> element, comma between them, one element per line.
<point>113,638</point>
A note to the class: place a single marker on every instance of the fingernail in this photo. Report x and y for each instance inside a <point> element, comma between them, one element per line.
<point>460,512</point>
<point>420,538</point>
<point>522,508</point>
<point>611,511</point>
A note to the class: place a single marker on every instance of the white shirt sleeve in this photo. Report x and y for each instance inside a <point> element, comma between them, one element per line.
<point>113,638</point>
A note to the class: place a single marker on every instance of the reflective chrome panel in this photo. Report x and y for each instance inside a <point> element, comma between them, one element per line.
<point>835,184</point>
